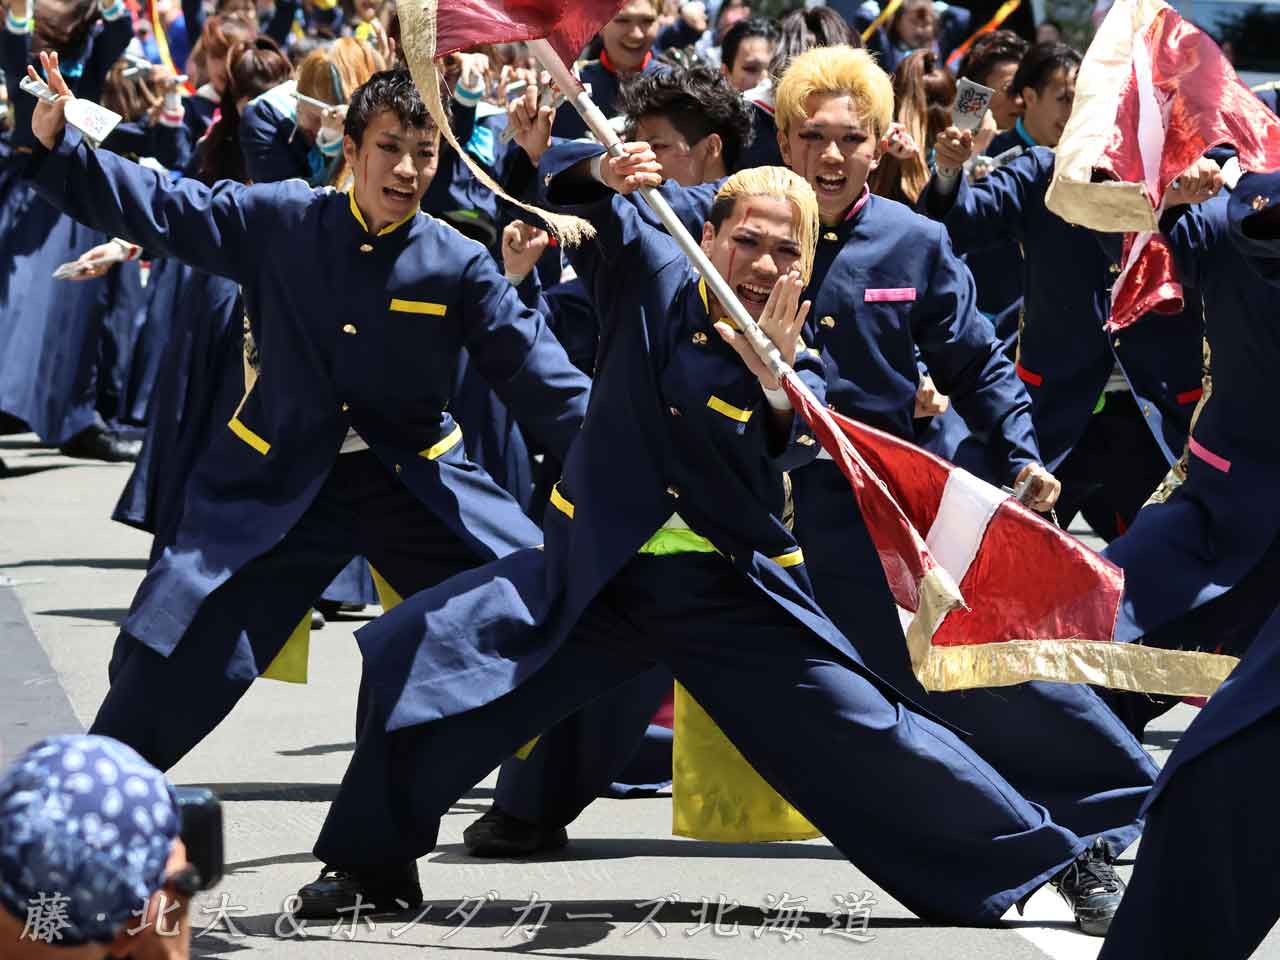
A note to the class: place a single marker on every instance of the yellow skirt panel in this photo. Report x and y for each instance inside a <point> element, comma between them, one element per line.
<point>716,794</point>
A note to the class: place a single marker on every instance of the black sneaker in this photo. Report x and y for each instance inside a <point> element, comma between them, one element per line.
<point>385,891</point>
<point>99,443</point>
<point>1092,889</point>
<point>498,834</point>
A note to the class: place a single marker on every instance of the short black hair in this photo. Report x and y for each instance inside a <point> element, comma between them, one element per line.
<point>744,29</point>
<point>1041,63</point>
<point>697,101</point>
<point>392,90</point>
<point>999,46</point>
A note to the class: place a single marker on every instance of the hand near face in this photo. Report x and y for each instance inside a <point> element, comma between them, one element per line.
<point>782,320</point>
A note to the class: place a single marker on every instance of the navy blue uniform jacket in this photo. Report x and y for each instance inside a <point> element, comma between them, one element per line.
<point>1220,523</point>
<point>675,423</point>
<point>605,85</point>
<point>1225,245</point>
<point>353,330</point>
<point>1064,354</point>
<point>885,281</point>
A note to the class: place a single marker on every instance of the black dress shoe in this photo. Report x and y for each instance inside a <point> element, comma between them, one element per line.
<point>334,609</point>
<point>317,619</point>
<point>385,891</point>
<point>499,834</point>
<point>1092,889</point>
<point>98,443</point>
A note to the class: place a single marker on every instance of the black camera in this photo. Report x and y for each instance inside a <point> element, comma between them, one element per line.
<point>201,814</point>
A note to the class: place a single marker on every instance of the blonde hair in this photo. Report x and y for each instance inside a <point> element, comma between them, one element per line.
<point>347,64</point>
<point>783,184</point>
<point>352,61</point>
<point>839,70</point>
<point>924,90</point>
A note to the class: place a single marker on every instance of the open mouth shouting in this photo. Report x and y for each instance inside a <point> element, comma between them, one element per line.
<point>753,295</point>
<point>830,184</point>
<point>399,196</point>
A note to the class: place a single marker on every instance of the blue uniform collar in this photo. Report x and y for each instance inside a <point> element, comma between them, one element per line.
<point>1021,131</point>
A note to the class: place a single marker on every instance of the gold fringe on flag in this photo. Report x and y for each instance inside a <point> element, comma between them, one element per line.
<point>418,39</point>
<point>1102,663</point>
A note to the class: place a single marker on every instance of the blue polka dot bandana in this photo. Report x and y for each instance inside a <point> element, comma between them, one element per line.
<point>86,826</point>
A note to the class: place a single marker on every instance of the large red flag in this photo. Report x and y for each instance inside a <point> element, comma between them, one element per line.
<point>991,593</point>
<point>430,29</point>
<point>1153,95</point>
<point>567,25</point>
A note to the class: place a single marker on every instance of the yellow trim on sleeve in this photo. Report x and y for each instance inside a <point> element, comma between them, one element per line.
<point>248,436</point>
<point>441,447</point>
<point>792,558</point>
<point>728,409</point>
<point>560,503</point>
<point>419,306</point>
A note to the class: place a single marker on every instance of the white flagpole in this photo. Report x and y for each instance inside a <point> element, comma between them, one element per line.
<point>599,125</point>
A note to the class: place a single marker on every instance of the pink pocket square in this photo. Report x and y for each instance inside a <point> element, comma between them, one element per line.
<point>889,294</point>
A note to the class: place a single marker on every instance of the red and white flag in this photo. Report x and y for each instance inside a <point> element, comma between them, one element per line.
<point>1154,93</point>
<point>991,593</point>
<point>430,29</point>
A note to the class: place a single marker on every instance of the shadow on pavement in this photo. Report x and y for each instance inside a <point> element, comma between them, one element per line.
<point>110,563</point>
<point>621,848</point>
<point>108,614</point>
<point>1161,739</point>
<point>250,792</point>
<point>319,750</point>
<point>27,469</point>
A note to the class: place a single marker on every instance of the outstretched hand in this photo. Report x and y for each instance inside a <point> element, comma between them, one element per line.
<point>782,320</point>
<point>49,119</point>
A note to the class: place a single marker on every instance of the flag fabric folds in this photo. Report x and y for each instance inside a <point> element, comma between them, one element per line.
<point>430,29</point>
<point>568,25</point>
<point>1154,93</point>
<point>991,593</point>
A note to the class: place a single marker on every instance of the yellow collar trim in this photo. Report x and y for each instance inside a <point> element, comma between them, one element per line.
<point>355,212</point>
<point>706,302</point>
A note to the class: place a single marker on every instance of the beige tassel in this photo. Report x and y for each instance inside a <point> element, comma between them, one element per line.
<point>418,38</point>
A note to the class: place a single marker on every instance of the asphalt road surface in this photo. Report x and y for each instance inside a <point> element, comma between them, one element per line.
<point>625,887</point>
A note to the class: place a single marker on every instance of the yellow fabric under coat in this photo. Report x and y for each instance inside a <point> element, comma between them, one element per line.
<point>290,664</point>
<point>715,795</point>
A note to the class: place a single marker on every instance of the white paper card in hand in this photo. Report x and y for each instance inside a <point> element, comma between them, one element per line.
<point>95,122</point>
<point>972,100</point>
